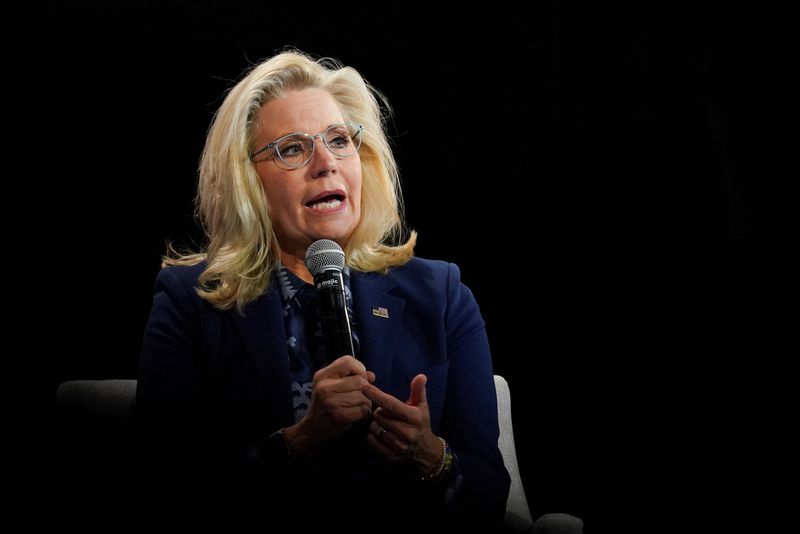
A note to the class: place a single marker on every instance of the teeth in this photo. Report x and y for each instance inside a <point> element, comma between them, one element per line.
<point>330,204</point>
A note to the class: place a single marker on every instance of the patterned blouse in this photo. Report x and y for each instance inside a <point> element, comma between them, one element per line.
<point>304,340</point>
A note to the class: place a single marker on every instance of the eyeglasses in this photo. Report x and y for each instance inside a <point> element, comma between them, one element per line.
<point>295,150</point>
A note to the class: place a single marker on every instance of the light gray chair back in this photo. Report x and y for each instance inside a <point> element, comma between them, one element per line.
<point>518,515</point>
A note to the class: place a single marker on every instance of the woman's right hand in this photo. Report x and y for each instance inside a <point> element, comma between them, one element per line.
<point>336,404</point>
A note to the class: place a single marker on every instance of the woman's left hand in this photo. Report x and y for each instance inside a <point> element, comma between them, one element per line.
<point>401,431</point>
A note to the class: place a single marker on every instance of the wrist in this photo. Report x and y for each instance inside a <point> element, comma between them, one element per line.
<point>298,444</point>
<point>442,468</point>
<point>271,453</point>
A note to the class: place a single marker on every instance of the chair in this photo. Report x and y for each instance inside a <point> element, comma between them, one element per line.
<point>105,408</point>
<point>101,401</point>
<point>518,515</point>
<point>92,468</point>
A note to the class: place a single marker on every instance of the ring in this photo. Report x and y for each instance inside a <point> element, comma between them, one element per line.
<point>381,431</point>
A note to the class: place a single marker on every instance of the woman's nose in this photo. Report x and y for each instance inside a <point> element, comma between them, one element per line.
<point>323,162</point>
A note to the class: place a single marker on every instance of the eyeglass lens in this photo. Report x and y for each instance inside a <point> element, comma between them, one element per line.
<point>296,150</point>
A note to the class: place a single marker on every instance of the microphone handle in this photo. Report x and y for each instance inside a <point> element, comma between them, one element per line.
<point>333,314</point>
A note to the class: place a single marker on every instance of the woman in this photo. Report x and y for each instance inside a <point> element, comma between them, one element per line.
<point>240,405</point>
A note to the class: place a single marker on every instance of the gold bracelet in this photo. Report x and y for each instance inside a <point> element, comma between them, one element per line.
<point>444,464</point>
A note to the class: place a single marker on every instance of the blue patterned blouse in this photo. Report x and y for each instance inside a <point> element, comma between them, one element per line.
<point>307,353</point>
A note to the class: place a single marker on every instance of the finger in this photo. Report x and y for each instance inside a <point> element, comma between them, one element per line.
<point>394,407</point>
<point>352,414</point>
<point>402,430</point>
<point>344,407</point>
<point>383,451</point>
<point>344,385</point>
<point>390,441</point>
<point>343,366</point>
<point>396,443</point>
<point>370,377</point>
<point>380,433</point>
<point>345,415</point>
<point>418,391</point>
<point>343,400</point>
<point>347,365</point>
<point>375,429</point>
<point>386,401</point>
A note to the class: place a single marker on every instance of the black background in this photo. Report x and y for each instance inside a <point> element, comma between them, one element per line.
<point>606,180</point>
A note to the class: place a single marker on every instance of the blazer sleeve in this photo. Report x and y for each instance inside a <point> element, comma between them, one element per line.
<point>469,421</point>
<point>171,379</point>
<point>195,454</point>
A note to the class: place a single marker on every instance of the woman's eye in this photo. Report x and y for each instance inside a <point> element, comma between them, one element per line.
<point>292,149</point>
<point>339,141</point>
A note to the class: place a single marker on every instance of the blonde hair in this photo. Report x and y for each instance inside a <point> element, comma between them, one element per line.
<point>242,249</point>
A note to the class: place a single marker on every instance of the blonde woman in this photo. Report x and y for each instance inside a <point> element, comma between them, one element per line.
<point>241,407</point>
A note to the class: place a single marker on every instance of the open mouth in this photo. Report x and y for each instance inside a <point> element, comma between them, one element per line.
<point>326,201</point>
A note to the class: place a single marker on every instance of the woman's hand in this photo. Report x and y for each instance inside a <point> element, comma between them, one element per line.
<point>337,402</point>
<point>401,431</point>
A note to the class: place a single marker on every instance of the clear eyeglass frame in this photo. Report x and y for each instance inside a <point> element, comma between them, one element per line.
<point>285,145</point>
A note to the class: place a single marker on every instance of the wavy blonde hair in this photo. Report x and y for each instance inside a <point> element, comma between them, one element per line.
<point>242,249</point>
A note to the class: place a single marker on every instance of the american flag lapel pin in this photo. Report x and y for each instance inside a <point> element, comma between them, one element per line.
<point>380,312</point>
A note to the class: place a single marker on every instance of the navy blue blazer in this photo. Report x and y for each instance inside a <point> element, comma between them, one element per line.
<point>218,381</point>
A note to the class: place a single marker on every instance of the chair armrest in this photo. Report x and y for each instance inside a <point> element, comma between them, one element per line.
<point>557,524</point>
<point>102,401</point>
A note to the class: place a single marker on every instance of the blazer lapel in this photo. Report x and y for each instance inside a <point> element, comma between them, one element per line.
<point>377,319</point>
<point>264,336</point>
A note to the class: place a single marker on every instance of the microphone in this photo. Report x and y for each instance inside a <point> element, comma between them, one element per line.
<point>325,261</point>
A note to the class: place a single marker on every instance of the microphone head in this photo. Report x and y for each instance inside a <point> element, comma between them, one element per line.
<point>324,255</point>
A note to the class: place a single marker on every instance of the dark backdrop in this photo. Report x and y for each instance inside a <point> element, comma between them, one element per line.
<point>604,179</point>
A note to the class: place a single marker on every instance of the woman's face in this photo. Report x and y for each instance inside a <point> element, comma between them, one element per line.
<point>321,199</point>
